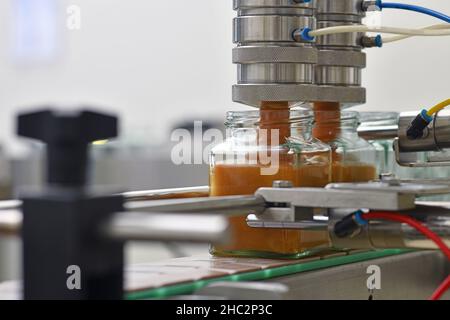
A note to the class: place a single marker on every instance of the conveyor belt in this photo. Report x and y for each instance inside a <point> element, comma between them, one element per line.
<point>183,276</point>
<point>186,275</point>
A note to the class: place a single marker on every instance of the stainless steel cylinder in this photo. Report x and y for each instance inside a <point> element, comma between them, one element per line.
<point>340,10</point>
<point>341,41</point>
<point>436,136</point>
<point>338,76</point>
<point>271,28</point>
<point>271,65</point>
<point>340,60</point>
<point>275,64</point>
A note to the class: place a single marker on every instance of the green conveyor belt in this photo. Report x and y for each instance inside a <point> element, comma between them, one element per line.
<point>190,287</point>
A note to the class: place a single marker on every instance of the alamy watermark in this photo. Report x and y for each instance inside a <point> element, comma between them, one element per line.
<point>374,280</point>
<point>73,21</point>
<point>257,147</point>
<point>73,281</point>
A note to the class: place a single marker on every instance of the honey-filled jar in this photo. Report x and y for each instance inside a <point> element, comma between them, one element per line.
<point>262,146</point>
<point>353,158</point>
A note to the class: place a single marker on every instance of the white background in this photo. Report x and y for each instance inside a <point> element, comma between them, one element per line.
<point>155,62</point>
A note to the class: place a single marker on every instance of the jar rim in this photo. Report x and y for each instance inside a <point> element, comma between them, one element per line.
<point>343,114</point>
<point>377,116</point>
<point>252,117</point>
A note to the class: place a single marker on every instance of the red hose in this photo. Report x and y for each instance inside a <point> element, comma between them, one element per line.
<point>422,229</point>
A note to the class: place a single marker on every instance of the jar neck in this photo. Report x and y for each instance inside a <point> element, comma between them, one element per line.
<point>272,127</point>
<point>330,125</point>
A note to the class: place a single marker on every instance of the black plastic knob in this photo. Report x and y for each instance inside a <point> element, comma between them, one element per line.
<point>67,135</point>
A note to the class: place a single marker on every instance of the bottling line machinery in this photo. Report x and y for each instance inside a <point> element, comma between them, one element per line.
<point>278,58</point>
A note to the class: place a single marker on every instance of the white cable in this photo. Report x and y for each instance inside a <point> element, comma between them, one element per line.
<point>402,37</point>
<point>391,30</point>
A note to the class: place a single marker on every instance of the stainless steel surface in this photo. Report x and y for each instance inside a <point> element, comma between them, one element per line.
<point>227,205</point>
<point>329,198</point>
<point>175,201</point>
<point>337,76</point>
<point>254,222</point>
<point>167,227</point>
<point>340,41</point>
<point>275,11</point>
<point>173,193</point>
<point>342,10</point>
<point>270,28</point>
<point>275,73</point>
<point>342,58</point>
<point>436,137</point>
<point>144,226</point>
<point>269,61</point>
<point>441,129</point>
<point>274,54</point>
<point>273,7</point>
<point>417,189</point>
<point>144,195</point>
<point>426,143</point>
<point>269,69</point>
<point>253,94</point>
<point>407,276</point>
<point>282,184</point>
<point>378,132</point>
<point>409,159</point>
<point>242,4</point>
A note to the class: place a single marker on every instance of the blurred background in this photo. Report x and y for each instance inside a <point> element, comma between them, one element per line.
<point>160,65</point>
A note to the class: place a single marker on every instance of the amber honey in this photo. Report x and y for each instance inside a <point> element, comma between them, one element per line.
<point>232,179</point>
<point>327,129</point>
<point>313,169</point>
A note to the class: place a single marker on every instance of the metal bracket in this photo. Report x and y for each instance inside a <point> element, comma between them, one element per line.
<point>399,157</point>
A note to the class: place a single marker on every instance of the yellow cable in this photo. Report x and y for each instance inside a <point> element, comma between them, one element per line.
<point>438,107</point>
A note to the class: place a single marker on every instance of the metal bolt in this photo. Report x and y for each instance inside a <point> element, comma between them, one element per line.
<point>387,175</point>
<point>390,179</point>
<point>282,184</point>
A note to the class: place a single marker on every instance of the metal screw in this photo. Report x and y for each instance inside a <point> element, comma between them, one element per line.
<point>282,184</point>
<point>390,179</point>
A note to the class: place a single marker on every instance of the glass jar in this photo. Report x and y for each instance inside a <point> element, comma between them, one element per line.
<point>387,154</point>
<point>384,148</point>
<point>262,147</point>
<point>353,158</point>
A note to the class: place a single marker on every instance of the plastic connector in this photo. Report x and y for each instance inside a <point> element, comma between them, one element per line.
<point>349,225</point>
<point>305,34</point>
<point>371,5</point>
<point>418,125</point>
<point>370,42</point>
